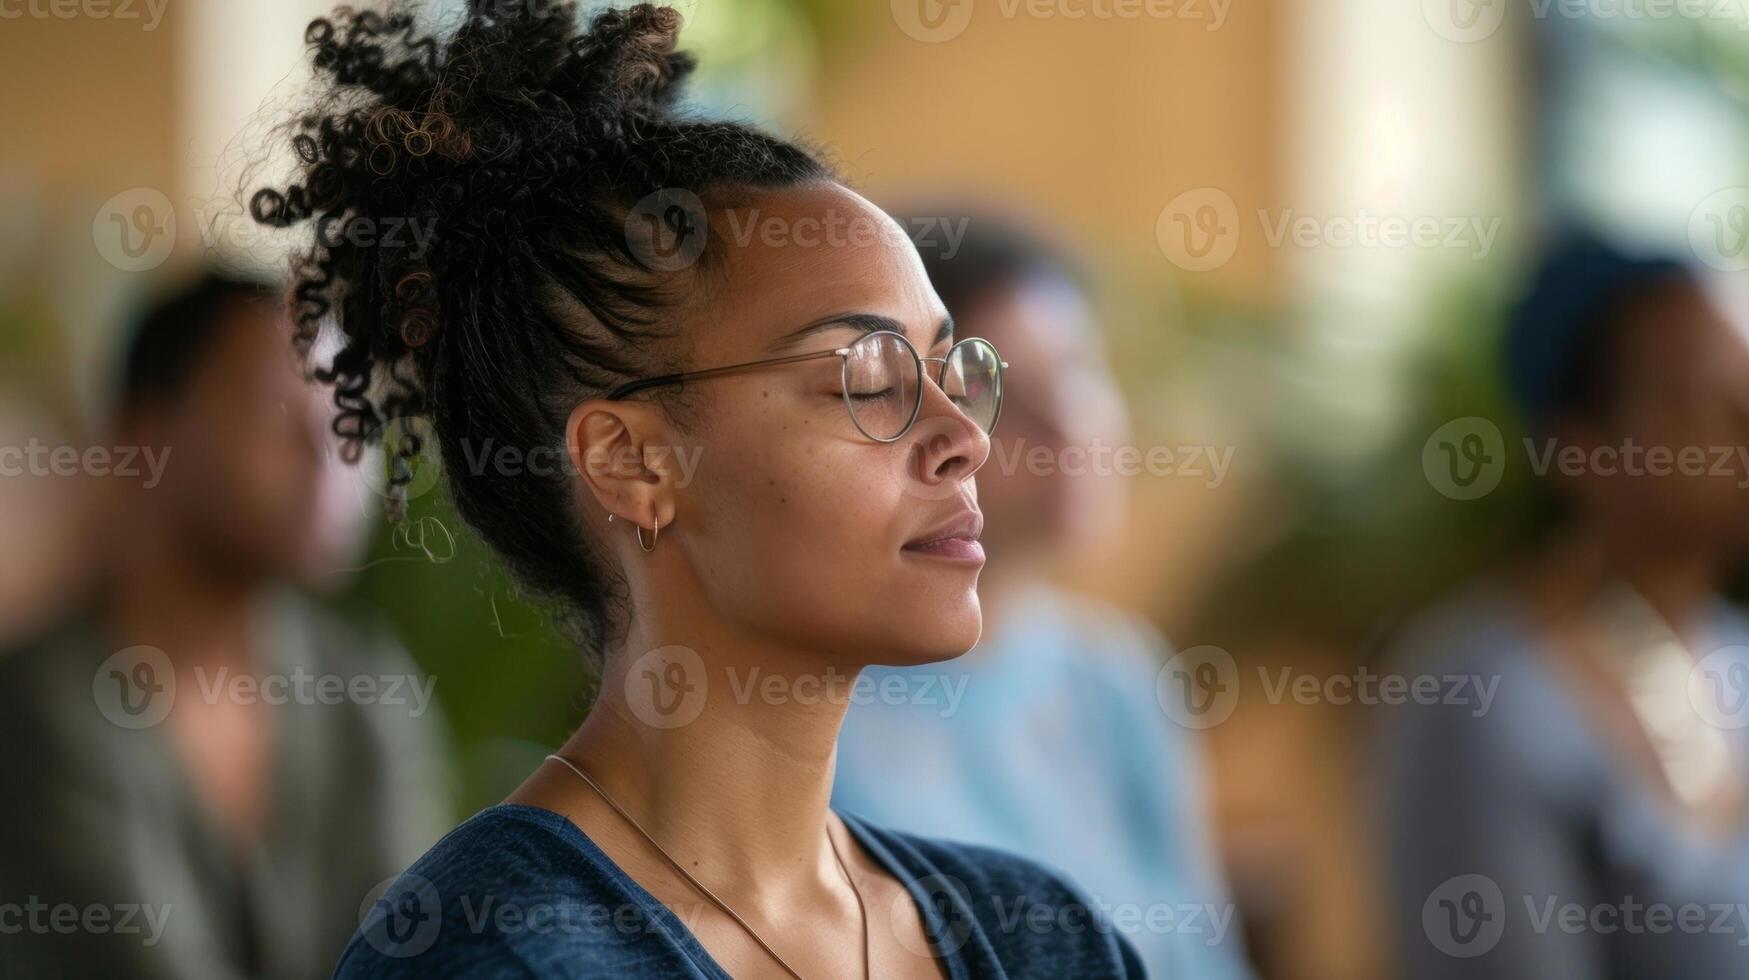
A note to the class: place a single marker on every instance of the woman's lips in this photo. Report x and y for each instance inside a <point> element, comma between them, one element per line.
<point>957,549</point>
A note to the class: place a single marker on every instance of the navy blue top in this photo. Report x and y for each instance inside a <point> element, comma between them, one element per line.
<point>518,891</point>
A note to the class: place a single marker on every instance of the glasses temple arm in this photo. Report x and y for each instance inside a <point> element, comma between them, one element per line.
<point>632,387</point>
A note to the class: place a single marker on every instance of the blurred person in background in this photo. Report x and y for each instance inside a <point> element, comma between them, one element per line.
<point>206,773</point>
<point>1046,739</point>
<point>1589,822</point>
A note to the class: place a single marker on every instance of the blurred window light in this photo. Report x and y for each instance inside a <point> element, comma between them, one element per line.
<point>244,69</point>
<point>1403,169</point>
<point>1643,118</point>
<point>756,57</point>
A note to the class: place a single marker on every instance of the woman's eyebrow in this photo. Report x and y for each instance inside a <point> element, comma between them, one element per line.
<point>862,322</point>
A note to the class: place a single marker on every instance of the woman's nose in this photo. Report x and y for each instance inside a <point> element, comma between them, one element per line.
<point>949,446</point>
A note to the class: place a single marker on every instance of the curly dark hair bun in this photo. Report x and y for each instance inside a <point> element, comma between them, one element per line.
<point>468,199</point>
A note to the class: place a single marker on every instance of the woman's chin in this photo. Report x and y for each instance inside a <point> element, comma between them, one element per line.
<point>933,638</point>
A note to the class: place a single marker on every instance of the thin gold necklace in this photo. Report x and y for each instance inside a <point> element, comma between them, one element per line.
<point>861,906</point>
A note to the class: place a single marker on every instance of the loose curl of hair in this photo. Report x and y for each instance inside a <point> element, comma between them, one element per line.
<point>520,144</point>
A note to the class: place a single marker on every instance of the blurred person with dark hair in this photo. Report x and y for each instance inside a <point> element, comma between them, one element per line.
<point>207,774</point>
<point>1046,739</point>
<point>1589,822</point>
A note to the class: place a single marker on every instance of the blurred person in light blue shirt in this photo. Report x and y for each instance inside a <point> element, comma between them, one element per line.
<point>1046,739</point>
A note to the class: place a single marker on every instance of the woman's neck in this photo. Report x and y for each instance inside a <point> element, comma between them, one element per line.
<point>723,750</point>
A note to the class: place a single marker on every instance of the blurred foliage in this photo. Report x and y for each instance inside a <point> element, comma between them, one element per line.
<point>1365,541</point>
<point>755,57</point>
<point>34,354</point>
<point>510,684</point>
<point>1713,49</point>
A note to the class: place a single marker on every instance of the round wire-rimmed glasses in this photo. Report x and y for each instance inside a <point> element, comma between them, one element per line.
<point>883,381</point>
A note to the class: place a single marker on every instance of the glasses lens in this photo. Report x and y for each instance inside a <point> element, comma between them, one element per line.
<point>882,384</point>
<point>972,378</point>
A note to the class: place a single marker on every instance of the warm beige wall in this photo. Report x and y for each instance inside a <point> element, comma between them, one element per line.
<point>101,111</point>
<point>90,112</point>
<point>1098,122</point>
<point>154,97</point>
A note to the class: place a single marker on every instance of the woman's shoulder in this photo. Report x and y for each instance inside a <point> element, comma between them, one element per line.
<point>524,844</point>
<point>970,864</point>
<point>996,903</point>
<point>514,891</point>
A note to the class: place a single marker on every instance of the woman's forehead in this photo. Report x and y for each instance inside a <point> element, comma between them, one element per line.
<point>795,256</point>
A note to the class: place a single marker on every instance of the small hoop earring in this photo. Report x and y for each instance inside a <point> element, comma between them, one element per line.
<point>653,533</point>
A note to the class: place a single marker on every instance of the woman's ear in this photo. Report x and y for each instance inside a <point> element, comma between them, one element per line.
<point>618,450</point>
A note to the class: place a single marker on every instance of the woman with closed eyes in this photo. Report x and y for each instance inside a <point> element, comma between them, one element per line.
<point>774,439</point>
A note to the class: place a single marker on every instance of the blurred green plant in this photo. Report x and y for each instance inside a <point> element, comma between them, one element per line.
<point>1366,540</point>
<point>510,684</point>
